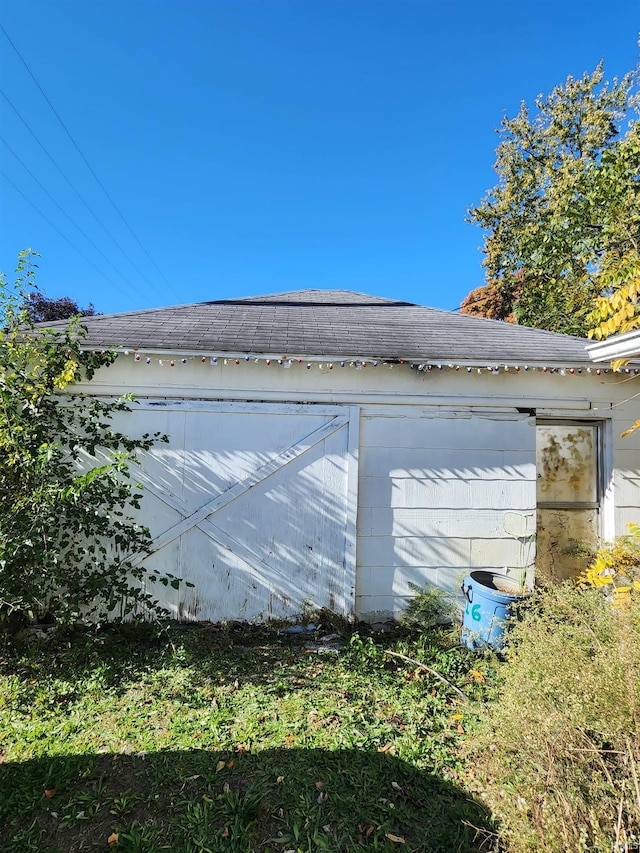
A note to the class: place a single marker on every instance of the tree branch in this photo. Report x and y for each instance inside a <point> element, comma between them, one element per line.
<point>430,671</point>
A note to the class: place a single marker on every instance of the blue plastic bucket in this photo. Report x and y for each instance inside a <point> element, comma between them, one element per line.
<point>489,604</point>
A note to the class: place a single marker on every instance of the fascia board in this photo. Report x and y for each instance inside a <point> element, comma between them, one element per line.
<point>618,346</point>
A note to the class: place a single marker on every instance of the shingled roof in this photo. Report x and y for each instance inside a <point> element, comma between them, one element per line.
<point>330,323</point>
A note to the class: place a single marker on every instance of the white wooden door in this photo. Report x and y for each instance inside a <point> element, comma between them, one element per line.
<point>254,504</point>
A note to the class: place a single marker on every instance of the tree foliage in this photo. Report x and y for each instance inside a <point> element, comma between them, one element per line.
<point>565,214</point>
<point>67,533</point>
<point>493,301</point>
<point>618,310</point>
<point>41,308</point>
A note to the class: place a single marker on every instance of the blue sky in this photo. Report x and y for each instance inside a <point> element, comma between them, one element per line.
<point>256,146</point>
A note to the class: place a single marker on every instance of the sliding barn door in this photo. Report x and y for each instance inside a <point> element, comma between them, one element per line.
<point>254,505</point>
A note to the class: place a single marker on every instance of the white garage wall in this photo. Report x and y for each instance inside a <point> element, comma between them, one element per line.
<point>434,487</point>
<point>443,454</point>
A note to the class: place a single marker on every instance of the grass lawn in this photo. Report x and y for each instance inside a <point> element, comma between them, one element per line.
<point>236,739</point>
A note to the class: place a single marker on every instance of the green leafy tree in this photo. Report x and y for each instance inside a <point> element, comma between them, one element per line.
<point>565,209</point>
<point>618,307</point>
<point>67,533</point>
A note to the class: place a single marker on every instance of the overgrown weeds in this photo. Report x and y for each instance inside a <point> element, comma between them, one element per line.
<point>430,606</point>
<point>558,755</point>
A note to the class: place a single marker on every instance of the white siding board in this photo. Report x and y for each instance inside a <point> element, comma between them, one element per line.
<point>396,581</point>
<point>433,463</point>
<point>450,579</point>
<point>385,551</point>
<point>470,524</point>
<point>387,596</point>
<point>628,457</point>
<point>625,516</point>
<point>502,554</point>
<point>451,433</point>
<point>623,419</point>
<point>628,492</point>
<point>396,593</point>
<point>379,608</point>
<point>430,552</point>
<point>446,494</point>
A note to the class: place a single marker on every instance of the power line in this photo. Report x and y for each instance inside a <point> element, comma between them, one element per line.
<point>64,236</point>
<point>64,213</point>
<point>83,200</point>
<point>86,162</point>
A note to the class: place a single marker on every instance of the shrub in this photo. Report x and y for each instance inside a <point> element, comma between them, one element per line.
<point>67,532</point>
<point>615,568</point>
<point>558,754</point>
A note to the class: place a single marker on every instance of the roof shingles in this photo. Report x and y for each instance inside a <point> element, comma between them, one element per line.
<point>330,323</point>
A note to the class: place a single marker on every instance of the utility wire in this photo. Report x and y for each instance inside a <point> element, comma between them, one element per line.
<point>64,213</point>
<point>64,236</point>
<point>86,204</point>
<point>86,162</point>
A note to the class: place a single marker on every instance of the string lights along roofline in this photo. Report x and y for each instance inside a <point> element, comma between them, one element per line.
<point>165,357</point>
